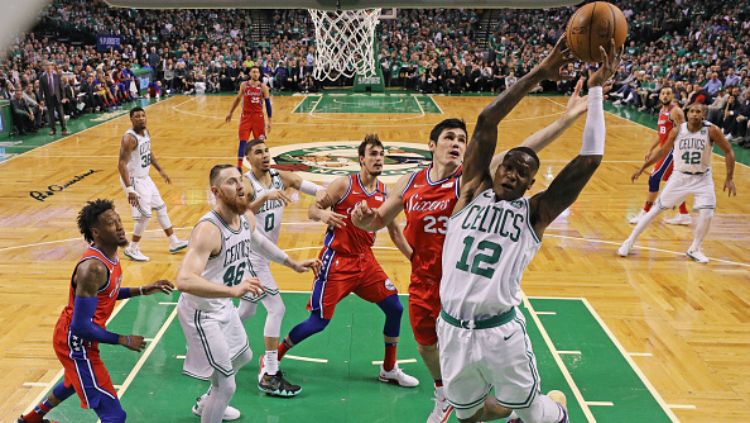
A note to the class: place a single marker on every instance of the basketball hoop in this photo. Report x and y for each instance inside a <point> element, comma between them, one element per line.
<point>344,42</point>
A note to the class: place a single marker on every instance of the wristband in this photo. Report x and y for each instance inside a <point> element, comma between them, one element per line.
<point>130,190</point>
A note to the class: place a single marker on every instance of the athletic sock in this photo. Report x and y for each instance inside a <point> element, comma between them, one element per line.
<point>683,208</point>
<point>283,348</point>
<point>647,206</point>
<point>272,362</point>
<point>390,356</point>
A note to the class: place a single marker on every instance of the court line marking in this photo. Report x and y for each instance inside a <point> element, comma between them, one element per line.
<point>307,359</point>
<point>682,406</point>
<point>179,357</point>
<point>546,313</point>
<point>404,361</point>
<point>600,403</point>
<point>640,354</point>
<point>640,124</point>
<point>566,352</point>
<point>419,105</point>
<point>48,386</point>
<point>312,111</point>
<point>35,384</point>
<point>558,360</point>
<point>304,99</point>
<point>550,235</point>
<point>167,303</point>
<point>432,97</point>
<point>78,133</point>
<point>636,369</point>
<point>144,356</point>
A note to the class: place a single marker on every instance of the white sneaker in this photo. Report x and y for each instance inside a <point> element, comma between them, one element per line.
<point>179,245</point>
<point>230,413</point>
<point>442,411</point>
<point>679,219</point>
<point>698,256</point>
<point>398,377</point>
<point>625,248</point>
<point>559,397</point>
<point>135,254</point>
<point>635,219</point>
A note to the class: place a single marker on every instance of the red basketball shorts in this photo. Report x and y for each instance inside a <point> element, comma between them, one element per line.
<point>341,275</point>
<point>424,307</point>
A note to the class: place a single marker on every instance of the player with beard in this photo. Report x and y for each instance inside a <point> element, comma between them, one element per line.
<point>94,291</point>
<point>216,269</point>
<point>348,263</point>
<point>670,116</point>
<point>252,121</point>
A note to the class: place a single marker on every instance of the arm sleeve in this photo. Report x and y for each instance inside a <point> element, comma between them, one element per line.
<point>309,188</point>
<point>266,248</point>
<point>594,131</point>
<point>124,293</point>
<point>268,107</point>
<point>83,326</point>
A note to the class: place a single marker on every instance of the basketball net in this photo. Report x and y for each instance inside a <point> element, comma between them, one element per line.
<point>344,43</point>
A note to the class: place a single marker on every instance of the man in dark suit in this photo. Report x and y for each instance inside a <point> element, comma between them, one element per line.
<point>23,117</point>
<point>53,95</point>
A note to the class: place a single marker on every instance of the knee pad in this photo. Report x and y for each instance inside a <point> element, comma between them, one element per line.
<point>246,309</point>
<point>163,218</point>
<point>276,309</point>
<point>141,223</point>
<point>393,310</point>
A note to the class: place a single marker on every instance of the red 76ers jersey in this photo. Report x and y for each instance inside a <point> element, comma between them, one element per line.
<point>351,240</point>
<point>428,205</point>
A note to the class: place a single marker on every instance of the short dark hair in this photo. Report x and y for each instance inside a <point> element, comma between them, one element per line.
<point>452,123</point>
<point>370,139</point>
<point>135,110</point>
<point>215,171</point>
<point>526,150</point>
<point>252,144</point>
<point>255,67</point>
<point>88,217</point>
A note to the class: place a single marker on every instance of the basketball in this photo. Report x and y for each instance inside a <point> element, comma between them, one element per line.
<point>594,25</point>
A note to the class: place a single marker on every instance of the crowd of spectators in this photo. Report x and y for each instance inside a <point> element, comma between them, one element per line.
<point>699,48</point>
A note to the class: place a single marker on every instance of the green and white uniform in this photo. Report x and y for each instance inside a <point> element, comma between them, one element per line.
<point>213,330</point>
<point>691,156</point>
<point>482,338</point>
<point>139,167</point>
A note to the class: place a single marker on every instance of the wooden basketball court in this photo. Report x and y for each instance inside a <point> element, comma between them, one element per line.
<point>684,327</point>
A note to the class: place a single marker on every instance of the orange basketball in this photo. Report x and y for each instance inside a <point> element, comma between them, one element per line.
<point>594,25</point>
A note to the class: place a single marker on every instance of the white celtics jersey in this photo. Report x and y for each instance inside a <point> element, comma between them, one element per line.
<point>140,159</point>
<point>692,150</point>
<point>268,219</point>
<point>230,266</point>
<point>487,247</point>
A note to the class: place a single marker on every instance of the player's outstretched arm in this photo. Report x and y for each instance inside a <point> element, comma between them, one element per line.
<point>295,181</point>
<point>718,137</point>
<point>204,241</point>
<point>373,220</point>
<point>564,189</point>
<point>235,103</point>
<point>127,146</point>
<point>320,210</point>
<point>89,277</point>
<point>539,140</point>
<point>658,154</point>
<point>484,139</point>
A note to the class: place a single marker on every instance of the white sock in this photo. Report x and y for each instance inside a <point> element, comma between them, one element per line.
<point>701,229</point>
<point>272,362</point>
<point>173,239</point>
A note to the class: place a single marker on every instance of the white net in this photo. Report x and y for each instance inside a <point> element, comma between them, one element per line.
<point>344,42</point>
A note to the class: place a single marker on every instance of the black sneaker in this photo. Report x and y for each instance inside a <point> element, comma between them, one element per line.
<point>277,386</point>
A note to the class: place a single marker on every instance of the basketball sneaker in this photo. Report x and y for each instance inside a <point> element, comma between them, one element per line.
<point>625,248</point>
<point>635,219</point>
<point>443,410</point>
<point>397,377</point>
<point>21,420</point>
<point>559,398</point>
<point>698,256</point>
<point>679,219</point>
<point>277,386</point>
<point>230,413</point>
<point>135,253</point>
<point>177,246</point>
